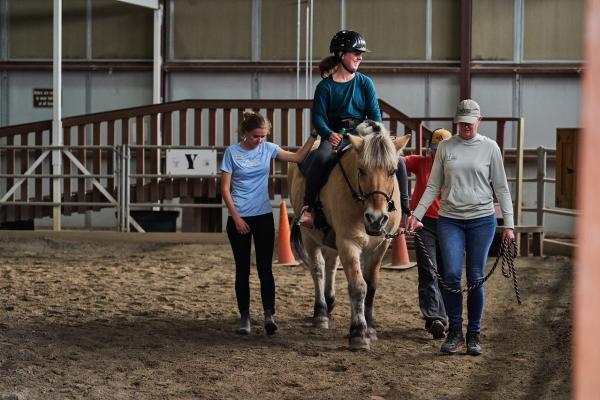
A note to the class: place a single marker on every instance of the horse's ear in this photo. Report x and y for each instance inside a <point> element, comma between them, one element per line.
<point>357,142</point>
<point>401,142</point>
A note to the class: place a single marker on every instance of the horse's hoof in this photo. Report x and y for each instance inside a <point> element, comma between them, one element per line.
<point>321,322</point>
<point>372,334</point>
<point>358,343</point>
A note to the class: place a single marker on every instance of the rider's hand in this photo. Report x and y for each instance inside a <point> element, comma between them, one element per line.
<point>413,224</point>
<point>334,138</point>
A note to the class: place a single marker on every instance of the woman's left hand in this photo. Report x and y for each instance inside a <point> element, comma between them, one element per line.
<point>508,233</point>
<point>241,226</point>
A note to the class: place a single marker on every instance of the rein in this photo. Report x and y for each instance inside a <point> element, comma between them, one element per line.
<point>508,253</point>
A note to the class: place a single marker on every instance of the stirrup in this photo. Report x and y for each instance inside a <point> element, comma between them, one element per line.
<point>306,218</point>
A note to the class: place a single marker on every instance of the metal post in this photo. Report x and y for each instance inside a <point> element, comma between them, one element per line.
<point>299,15</point>
<point>519,173</point>
<point>127,188</point>
<point>117,173</point>
<point>310,85</point>
<point>157,57</point>
<point>466,25</point>
<point>541,184</point>
<point>306,51</point>
<point>57,132</point>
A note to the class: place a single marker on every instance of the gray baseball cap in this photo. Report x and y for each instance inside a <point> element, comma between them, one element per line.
<point>467,111</point>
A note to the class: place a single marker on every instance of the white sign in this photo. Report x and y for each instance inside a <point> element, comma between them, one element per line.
<point>191,162</point>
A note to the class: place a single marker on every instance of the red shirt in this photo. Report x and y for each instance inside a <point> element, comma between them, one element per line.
<point>421,167</point>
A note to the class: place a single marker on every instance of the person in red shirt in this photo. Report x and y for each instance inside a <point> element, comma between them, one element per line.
<point>430,297</point>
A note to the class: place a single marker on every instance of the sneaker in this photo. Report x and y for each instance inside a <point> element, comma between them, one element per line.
<point>473,344</point>
<point>270,325</point>
<point>306,218</point>
<point>244,328</point>
<point>437,329</point>
<point>454,340</point>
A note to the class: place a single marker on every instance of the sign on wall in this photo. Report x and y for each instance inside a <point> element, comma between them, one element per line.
<point>42,98</point>
<point>191,162</point>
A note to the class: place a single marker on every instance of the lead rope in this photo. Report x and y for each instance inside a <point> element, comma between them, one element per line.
<point>508,253</point>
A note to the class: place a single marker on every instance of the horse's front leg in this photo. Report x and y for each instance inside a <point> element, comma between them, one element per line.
<point>357,290</point>
<point>372,267</point>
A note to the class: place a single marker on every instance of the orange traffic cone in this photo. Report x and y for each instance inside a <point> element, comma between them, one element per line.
<point>400,258</point>
<point>284,248</point>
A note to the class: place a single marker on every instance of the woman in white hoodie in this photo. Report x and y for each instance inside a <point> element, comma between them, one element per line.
<point>467,172</point>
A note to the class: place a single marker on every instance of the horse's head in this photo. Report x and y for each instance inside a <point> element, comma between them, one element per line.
<point>377,164</point>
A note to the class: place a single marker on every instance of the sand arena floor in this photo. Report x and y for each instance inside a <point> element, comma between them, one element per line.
<point>116,316</point>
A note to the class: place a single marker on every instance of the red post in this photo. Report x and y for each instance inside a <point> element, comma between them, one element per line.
<point>587,274</point>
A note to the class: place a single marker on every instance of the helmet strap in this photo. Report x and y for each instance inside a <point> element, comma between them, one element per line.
<point>344,64</point>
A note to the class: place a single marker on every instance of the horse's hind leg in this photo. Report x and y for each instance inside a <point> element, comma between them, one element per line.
<point>331,264</point>
<point>317,269</point>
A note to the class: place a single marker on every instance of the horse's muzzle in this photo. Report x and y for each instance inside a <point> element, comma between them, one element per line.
<point>374,224</point>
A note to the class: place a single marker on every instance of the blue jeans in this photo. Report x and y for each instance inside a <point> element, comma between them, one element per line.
<point>455,236</point>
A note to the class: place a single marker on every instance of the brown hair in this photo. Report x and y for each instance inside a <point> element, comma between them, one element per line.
<point>327,66</point>
<point>253,120</point>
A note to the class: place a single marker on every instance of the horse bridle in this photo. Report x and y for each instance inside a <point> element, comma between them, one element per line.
<point>362,197</point>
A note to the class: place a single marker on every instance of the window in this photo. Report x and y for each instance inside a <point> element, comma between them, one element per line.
<point>394,30</point>
<point>212,30</point>
<point>445,31</point>
<point>553,30</point>
<point>493,22</point>
<point>279,28</point>
<point>31,29</point>
<point>121,30</point>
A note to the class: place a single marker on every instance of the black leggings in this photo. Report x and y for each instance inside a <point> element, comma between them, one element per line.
<point>262,228</point>
<point>322,163</point>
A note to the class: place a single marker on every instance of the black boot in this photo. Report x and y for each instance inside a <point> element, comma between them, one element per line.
<point>437,329</point>
<point>454,340</point>
<point>244,328</point>
<point>473,344</point>
<point>270,325</point>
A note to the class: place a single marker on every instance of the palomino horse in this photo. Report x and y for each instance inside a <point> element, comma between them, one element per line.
<point>359,202</point>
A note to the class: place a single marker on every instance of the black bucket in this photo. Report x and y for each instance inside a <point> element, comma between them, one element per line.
<point>155,221</point>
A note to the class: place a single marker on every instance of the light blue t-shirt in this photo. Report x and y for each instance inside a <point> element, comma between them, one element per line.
<point>249,171</point>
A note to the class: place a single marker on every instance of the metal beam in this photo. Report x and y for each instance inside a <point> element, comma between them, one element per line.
<point>57,131</point>
<point>157,56</point>
<point>466,25</point>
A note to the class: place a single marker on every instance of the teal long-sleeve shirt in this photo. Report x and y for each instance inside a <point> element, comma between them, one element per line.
<point>355,99</point>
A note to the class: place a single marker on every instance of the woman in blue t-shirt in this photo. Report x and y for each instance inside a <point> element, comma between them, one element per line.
<point>244,187</point>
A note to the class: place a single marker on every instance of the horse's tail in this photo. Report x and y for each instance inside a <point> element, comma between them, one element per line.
<point>298,244</point>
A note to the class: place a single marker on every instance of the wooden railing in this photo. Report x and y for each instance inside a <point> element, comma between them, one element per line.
<point>205,123</point>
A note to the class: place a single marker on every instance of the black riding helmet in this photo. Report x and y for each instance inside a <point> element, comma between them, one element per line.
<point>345,41</point>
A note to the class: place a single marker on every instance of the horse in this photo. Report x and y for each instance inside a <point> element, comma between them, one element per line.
<point>359,202</point>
